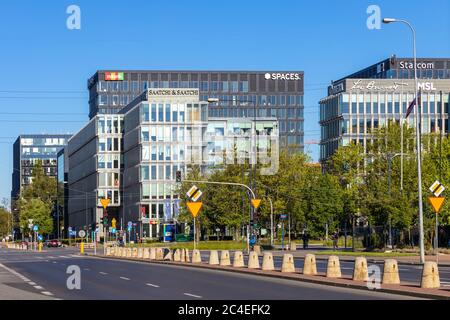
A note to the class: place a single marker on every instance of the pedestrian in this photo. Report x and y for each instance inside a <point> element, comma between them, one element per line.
<point>305,239</point>
<point>335,240</point>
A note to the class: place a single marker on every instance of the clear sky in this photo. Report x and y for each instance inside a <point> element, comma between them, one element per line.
<point>45,66</point>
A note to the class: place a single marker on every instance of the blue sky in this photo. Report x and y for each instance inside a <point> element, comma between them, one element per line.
<point>327,39</point>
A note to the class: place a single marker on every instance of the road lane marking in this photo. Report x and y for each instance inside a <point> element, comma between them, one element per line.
<point>47,293</point>
<point>192,295</point>
<point>152,285</point>
<point>32,283</point>
<point>87,269</point>
<point>103,273</point>
<point>124,278</point>
<point>38,287</point>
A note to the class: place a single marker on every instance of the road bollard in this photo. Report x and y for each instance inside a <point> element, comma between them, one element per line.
<point>293,246</point>
<point>253,260</point>
<point>225,258</point>
<point>187,257</point>
<point>334,267</point>
<point>135,252</point>
<point>257,249</point>
<point>309,266</point>
<point>129,252</point>
<point>196,256</point>
<point>146,253</point>
<point>152,254</point>
<point>430,276</point>
<point>288,263</point>
<point>82,248</point>
<point>238,260</point>
<point>214,257</point>
<point>360,271</point>
<point>267,263</point>
<point>140,253</point>
<point>168,255</point>
<point>182,255</point>
<point>390,272</point>
<point>159,254</point>
<point>40,247</point>
<point>119,252</point>
<point>108,251</point>
<point>177,255</point>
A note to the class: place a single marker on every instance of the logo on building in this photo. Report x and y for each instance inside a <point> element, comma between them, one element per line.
<point>373,86</point>
<point>420,65</point>
<point>426,86</point>
<point>173,92</point>
<point>283,76</point>
<point>114,76</point>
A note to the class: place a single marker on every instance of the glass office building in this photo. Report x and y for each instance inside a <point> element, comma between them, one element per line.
<point>159,133</point>
<point>27,151</point>
<point>276,94</point>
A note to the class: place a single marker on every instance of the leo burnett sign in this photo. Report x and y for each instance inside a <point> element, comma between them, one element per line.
<point>393,85</point>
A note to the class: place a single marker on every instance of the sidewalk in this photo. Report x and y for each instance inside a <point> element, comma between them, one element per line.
<point>13,288</point>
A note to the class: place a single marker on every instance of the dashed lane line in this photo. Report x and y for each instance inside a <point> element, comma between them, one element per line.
<point>103,273</point>
<point>152,285</point>
<point>124,278</point>
<point>192,295</point>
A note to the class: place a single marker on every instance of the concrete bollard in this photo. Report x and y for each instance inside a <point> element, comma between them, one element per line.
<point>140,253</point>
<point>238,260</point>
<point>124,253</point>
<point>135,252</point>
<point>168,255</point>
<point>267,263</point>
<point>333,267</point>
<point>360,271</point>
<point>129,253</point>
<point>146,253</point>
<point>152,254</point>
<point>257,249</point>
<point>430,276</point>
<point>108,251</point>
<point>390,272</point>
<point>187,257</point>
<point>117,252</point>
<point>182,255</point>
<point>309,266</point>
<point>288,263</point>
<point>253,260</point>
<point>159,254</point>
<point>214,257</point>
<point>293,246</point>
<point>196,256</point>
<point>177,255</point>
<point>225,258</point>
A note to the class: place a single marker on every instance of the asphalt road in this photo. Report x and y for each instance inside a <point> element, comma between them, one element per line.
<point>45,274</point>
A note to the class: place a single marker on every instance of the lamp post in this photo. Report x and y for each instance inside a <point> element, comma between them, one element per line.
<point>418,138</point>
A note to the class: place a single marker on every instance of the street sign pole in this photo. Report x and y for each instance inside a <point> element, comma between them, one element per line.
<point>195,238</point>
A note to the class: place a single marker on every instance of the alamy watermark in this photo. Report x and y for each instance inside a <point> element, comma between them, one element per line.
<point>74,280</point>
<point>374,19</point>
<point>73,22</point>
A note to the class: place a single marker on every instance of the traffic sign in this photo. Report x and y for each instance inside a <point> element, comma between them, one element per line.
<point>35,228</point>
<point>437,188</point>
<point>113,230</point>
<point>194,193</point>
<point>283,216</point>
<point>82,233</point>
<point>129,224</point>
<point>256,203</point>
<point>105,203</point>
<point>40,238</point>
<point>436,203</point>
<point>194,208</point>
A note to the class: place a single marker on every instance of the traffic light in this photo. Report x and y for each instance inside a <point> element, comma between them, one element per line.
<point>105,221</point>
<point>178,176</point>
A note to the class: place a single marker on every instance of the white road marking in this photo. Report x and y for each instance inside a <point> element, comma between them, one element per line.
<point>103,273</point>
<point>192,295</point>
<point>51,257</point>
<point>152,285</point>
<point>54,262</point>
<point>47,293</point>
<point>87,269</point>
<point>123,278</point>
<point>38,287</point>
<point>66,257</point>
<point>32,283</point>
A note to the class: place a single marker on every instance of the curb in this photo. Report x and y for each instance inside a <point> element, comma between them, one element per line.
<point>294,277</point>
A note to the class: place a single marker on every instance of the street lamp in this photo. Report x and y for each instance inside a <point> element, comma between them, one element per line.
<point>418,138</point>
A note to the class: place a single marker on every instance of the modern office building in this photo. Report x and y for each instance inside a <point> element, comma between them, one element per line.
<point>160,132</point>
<point>276,94</point>
<point>27,151</point>
<point>368,99</point>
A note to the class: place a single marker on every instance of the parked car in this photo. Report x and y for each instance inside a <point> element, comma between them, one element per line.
<point>53,243</point>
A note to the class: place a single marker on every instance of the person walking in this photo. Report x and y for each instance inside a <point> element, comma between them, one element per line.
<point>305,239</point>
<point>335,240</point>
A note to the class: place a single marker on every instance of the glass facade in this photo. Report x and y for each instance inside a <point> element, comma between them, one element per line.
<point>352,115</point>
<point>241,94</point>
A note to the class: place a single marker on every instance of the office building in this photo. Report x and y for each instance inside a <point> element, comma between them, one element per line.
<point>369,99</point>
<point>276,94</point>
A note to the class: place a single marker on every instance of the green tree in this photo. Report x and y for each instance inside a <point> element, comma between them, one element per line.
<point>39,211</point>
<point>5,222</point>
